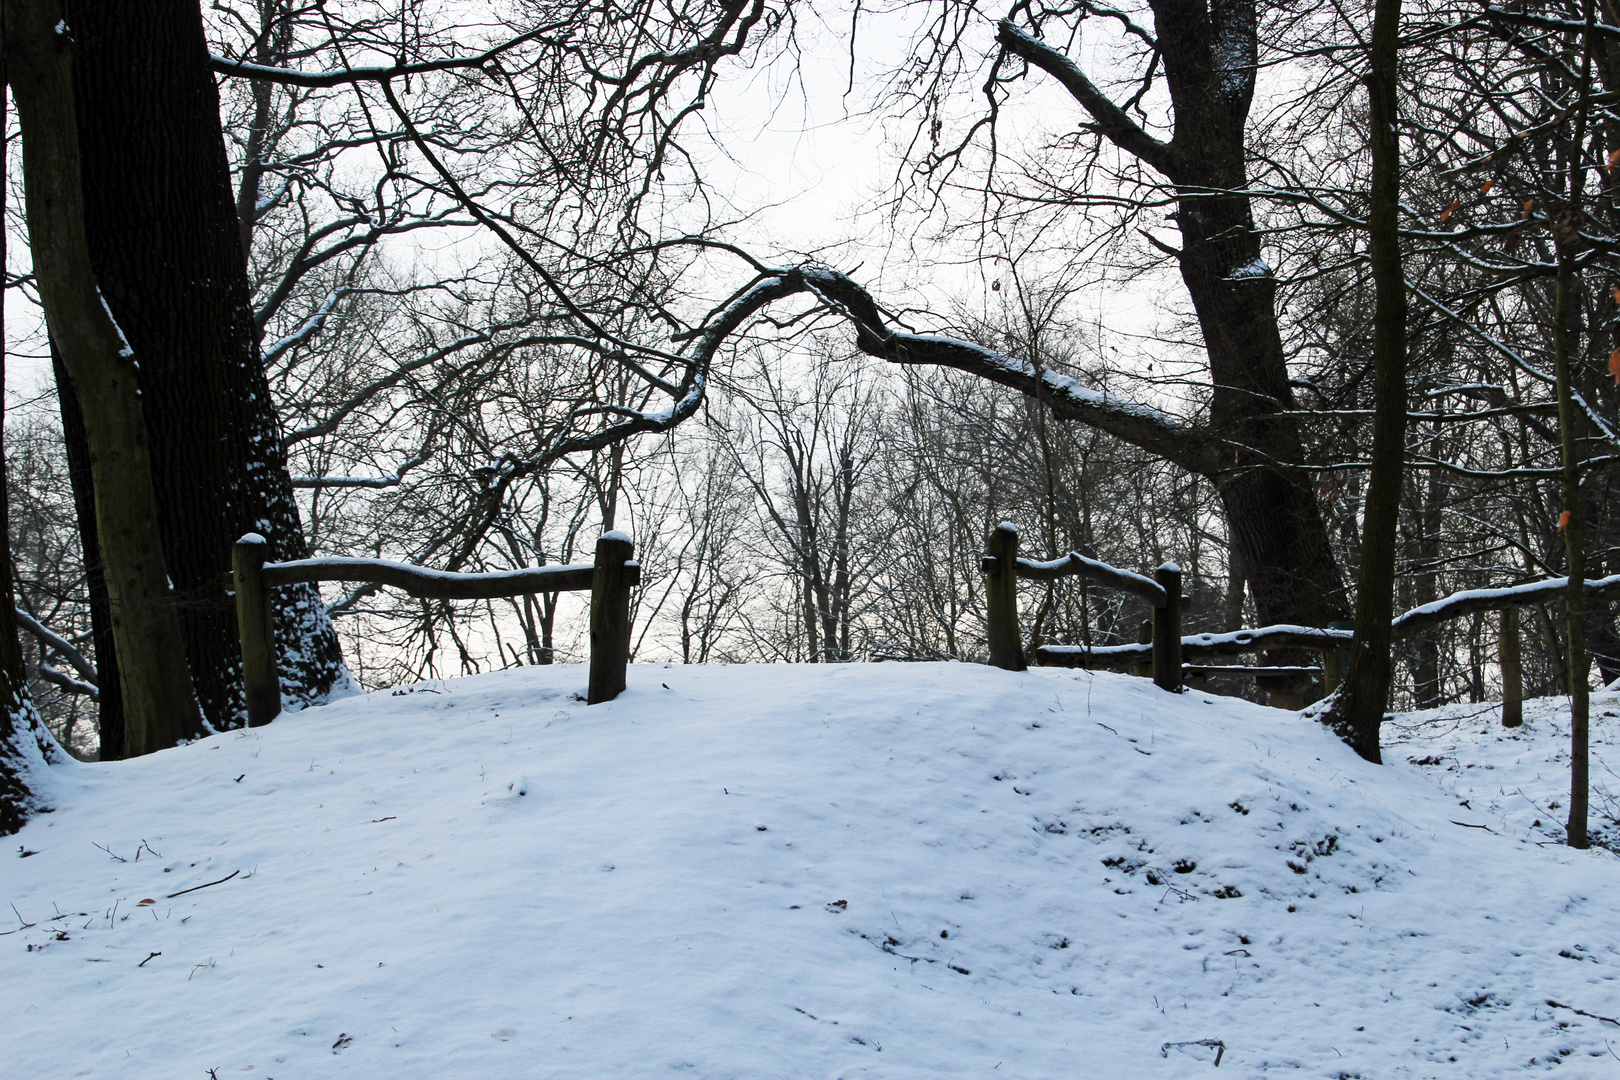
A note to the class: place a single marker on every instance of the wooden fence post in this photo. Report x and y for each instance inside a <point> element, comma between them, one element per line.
<point>1001,598</point>
<point>255,623</point>
<point>1144,636</point>
<point>1167,630</point>
<point>610,617</point>
<point>1512,670</point>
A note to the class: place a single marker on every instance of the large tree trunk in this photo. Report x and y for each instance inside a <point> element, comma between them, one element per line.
<point>166,246</point>
<point>25,746</point>
<point>1209,53</point>
<point>110,701</point>
<point>23,742</point>
<point>1271,508</point>
<point>160,709</point>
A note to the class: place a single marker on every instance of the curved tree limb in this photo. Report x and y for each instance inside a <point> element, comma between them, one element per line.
<point>1109,119</point>
<point>1181,444</point>
<point>1187,446</point>
<point>61,645</point>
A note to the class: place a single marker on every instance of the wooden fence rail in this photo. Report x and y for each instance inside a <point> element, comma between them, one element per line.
<point>1171,654</point>
<point>1163,591</point>
<point>609,579</point>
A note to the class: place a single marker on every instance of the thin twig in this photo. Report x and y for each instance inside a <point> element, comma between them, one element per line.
<point>25,924</point>
<point>194,888</point>
<point>1582,1012</point>
<point>109,851</point>
<point>1214,1044</point>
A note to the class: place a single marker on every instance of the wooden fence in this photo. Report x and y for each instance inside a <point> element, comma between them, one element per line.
<point>1168,656</point>
<point>609,579</point>
<point>1172,655</point>
<point>1002,568</point>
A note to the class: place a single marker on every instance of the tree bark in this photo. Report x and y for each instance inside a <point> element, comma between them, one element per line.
<point>110,701</point>
<point>166,245</point>
<point>1209,53</point>
<point>1357,713</point>
<point>24,746</point>
<point>159,706</point>
<point>1567,236</point>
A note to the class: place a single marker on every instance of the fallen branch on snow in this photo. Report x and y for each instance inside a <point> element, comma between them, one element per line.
<point>1217,1045</point>
<point>194,888</point>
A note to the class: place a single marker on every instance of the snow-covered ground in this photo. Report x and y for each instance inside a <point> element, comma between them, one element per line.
<point>1519,776</point>
<point>886,871</point>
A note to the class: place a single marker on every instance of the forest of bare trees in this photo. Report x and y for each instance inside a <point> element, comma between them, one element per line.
<point>1315,300</point>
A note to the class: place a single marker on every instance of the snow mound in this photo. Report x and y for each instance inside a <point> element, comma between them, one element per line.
<point>876,871</point>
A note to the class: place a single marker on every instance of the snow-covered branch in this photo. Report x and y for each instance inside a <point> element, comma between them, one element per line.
<point>1108,118</point>
<point>1181,444</point>
<point>393,479</point>
<point>311,326</point>
<point>60,645</point>
<point>67,682</point>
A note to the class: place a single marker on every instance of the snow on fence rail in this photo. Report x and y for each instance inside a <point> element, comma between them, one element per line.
<point>1471,600</point>
<point>1169,649</point>
<point>1075,563</point>
<point>1163,591</point>
<point>609,579</point>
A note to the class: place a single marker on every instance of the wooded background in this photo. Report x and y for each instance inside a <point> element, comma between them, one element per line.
<point>493,287</point>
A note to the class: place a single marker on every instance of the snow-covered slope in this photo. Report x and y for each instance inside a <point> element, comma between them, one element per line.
<point>851,871</point>
<point>1518,775</point>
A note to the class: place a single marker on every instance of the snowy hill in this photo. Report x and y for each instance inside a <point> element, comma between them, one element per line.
<point>885,871</point>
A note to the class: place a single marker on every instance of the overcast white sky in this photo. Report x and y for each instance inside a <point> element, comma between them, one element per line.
<point>814,162</point>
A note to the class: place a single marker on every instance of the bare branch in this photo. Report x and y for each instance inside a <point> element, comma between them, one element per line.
<point>1108,119</point>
